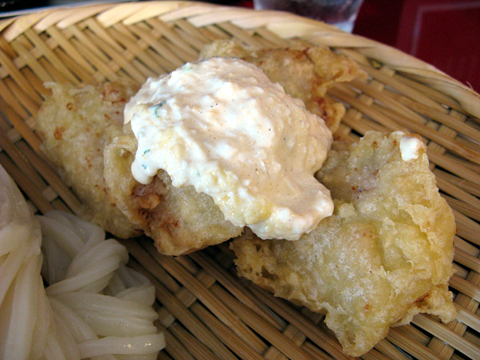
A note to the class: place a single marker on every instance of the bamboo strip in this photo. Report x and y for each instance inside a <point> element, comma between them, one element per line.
<point>192,31</point>
<point>440,116</point>
<point>431,134</point>
<point>163,356</point>
<point>177,51</point>
<point>266,34</point>
<point>459,270</point>
<point>166,10</point>
<point>48,53</point>
<point>232,286</point>
<point>117,60</point>
<point>466,247</point>
<point>25,184</point>
<point>377,355</point>
<point>193,346</point>
<point>314,351</point>
<point>464,258</point>
<point>63,42</point>
<point>56,75</point>
<point>263,327</point>
<point>433,94</point>
<point>224,333</point>
<point>81,14</point>
<point>451,189</point>
<point>171,36</point>
<point>387,76</point>
<point>465,287</point>
<point>468,142</point>
<point>215,33</point>
<point>180,311</point>
<point>379,95</point>
<point>31,61</point>
<point>194,42</point>
<point>79,72</point>
<point>241,331</point>
<point>53,18</point>
<point>188,264</point>
<point>468,209</point>
<point>454,167</point>
<point>323,340</point>
<point>411,347</point>
<point>225,340</point>
<point>20,24</point>
<point>468,318</point>
<point>157,46</point>
<point>466,164</point>
<point>467,228</point>
<point>236,345</point>
<point>395,97</point>
<point>23,99</point>
<point>240,34</point>
<point>297,337</point>
<point>12,100</point>
<point>20,125</point>
<point>36,84</point>
<point>102,33</point>
<point>103,70</point>
<point>467,186</point>
<point>443,333</point>
<point>361,124</point>
<point>18,77</point>
<point>366,108</point>
<point>19,159</point>
<point>470,336</point>
<point>220,330</point>
<point>81,37</point>
<point>414,333</point>
<point>231,302</point>
<point>135,50</point>
<point>118,13</point>
<point>221,310</point>
<point>173,346</point>
<point>393,126</point>
<point>465,302</point>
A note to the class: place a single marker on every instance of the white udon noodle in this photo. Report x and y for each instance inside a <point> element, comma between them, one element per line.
<point>95,306</point>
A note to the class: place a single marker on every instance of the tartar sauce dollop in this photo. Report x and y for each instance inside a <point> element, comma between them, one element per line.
<point>222,126</point>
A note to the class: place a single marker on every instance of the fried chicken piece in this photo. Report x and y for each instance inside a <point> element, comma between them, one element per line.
<point>305,72</point>
<point>179,220</point>
<point>76,124</point>
<point>383,256</point>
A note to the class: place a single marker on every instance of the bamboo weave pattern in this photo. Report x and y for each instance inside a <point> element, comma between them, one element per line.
<point>205,311</point>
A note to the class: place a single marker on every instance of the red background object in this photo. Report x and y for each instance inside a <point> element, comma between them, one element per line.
<point>444,33</point>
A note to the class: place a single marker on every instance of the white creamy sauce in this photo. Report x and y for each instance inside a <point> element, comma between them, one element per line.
<point>222,126</point>
<point>409,147</point>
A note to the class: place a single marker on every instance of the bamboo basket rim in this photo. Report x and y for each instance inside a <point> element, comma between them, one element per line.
<point>205,309</point>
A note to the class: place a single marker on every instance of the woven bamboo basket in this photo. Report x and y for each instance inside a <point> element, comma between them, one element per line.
<point>205,311</point>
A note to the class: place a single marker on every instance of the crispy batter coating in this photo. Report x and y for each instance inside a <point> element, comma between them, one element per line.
<point>179,220</point>
<point>305,72</point>
<point>385,255</point>
<point>76,124</point>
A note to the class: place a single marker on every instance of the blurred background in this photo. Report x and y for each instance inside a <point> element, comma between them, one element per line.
<point>444,33</point>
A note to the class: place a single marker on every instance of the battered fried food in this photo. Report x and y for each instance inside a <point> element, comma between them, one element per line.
<point>180,220</point>
<point>304,71</point>
<point>76,124</point>
<point>385,255</point>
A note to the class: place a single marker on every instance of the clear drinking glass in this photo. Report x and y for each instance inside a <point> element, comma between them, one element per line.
<point>341,13</point>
